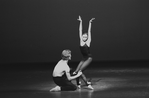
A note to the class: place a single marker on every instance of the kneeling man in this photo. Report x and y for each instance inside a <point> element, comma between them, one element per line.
<point>61,74</point>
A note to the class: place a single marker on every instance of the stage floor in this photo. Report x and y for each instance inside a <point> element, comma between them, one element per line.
<point>107,83</point>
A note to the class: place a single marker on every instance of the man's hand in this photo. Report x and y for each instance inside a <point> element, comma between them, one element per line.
<point>79,73</point>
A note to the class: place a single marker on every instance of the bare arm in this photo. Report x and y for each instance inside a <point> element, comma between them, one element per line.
<point>80,27</point>
<point>73,77</point>
<point>89,29</point>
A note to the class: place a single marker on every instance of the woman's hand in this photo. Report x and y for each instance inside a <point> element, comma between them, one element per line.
<point>91,19</point>
<point>79,18</point>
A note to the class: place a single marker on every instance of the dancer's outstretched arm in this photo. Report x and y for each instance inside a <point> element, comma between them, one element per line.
<point>89,31</point>
<point>80,27</point>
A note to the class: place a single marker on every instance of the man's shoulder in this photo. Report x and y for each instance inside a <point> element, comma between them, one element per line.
<point>62,63</point>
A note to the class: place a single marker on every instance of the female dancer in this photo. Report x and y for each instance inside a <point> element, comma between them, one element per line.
<point>85,40</point>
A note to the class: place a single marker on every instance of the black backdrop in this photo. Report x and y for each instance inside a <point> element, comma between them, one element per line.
<point>38,30</point>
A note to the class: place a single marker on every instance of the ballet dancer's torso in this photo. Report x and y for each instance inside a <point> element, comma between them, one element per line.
<point>85,48</point>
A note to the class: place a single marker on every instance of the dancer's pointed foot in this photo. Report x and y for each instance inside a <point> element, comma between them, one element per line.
<point>79,86</point>
<point>90,87</point>
<point>89,83</point>
<point>55,89</point>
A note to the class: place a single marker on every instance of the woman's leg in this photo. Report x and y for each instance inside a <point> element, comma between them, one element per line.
<point>88,84</point>
<point>86,63</point>
<point>79,66</point>
<point>84,79</point>
<point>78,69</point>
<point>83,67</point>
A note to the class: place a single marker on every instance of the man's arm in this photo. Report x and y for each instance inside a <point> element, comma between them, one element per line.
<point>73,77</point>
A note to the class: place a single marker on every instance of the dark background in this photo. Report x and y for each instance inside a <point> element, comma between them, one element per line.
<point>36,31</point>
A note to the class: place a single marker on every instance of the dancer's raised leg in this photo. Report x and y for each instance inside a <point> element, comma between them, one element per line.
<point>86,63</point>
<point>79,66</point>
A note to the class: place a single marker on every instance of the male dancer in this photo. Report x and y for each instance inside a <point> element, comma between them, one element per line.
<point>61,74</point>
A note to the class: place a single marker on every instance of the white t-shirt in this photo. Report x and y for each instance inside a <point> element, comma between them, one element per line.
<point>61,68</point>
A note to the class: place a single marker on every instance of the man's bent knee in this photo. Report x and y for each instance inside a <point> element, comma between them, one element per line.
<point>74,88</point>
<point>90,58</point>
